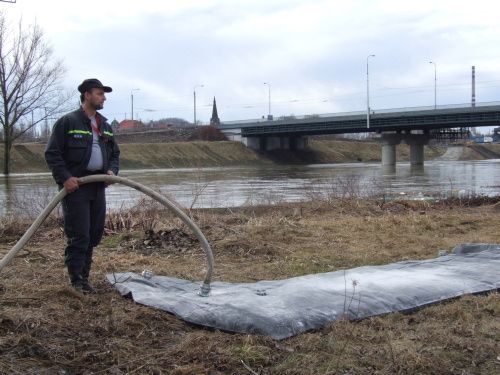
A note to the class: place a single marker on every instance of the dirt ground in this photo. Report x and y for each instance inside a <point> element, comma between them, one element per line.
<point>48,328</point>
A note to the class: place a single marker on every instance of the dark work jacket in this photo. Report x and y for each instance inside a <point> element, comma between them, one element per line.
<point>70,145</point>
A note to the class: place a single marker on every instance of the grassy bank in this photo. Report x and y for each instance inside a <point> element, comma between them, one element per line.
<point>45,327</point>
<point>329,151</point>
<point>187,154</point>
<point>29,157</point>
<point>197,154</point>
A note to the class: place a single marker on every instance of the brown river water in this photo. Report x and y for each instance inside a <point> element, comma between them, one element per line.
<point>27,194</point>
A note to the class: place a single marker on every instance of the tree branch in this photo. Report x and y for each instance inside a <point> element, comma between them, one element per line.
<point>29,80</point>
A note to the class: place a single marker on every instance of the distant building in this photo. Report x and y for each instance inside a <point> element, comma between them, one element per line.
<point>130,124</point>
<point>214,120</point>
<point>115,125</point>
<point>496,135</point>
<point>482,138</point>
<point>161,126</point>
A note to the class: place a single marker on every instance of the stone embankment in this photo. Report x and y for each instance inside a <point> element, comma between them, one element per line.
<point>452,153</point>
<point>471,152</point>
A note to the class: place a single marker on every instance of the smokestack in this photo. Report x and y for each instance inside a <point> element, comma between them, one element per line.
<point>473,103</point>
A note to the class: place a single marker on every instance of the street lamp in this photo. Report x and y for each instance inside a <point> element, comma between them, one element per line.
<point>269,116</point>
<point>368,93</point>
<point>132,103</point>
<point>435,83</point>
<point>194,100</point>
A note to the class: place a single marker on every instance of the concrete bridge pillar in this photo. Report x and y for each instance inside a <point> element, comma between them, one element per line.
<point>389,142</point>
<point>416,143</point>
<point>298,143</point>
<point>252,142</point>
<point>272,143</point>
<point>285,143</point>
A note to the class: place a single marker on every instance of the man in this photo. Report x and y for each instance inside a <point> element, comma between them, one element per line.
<point>82,144</point>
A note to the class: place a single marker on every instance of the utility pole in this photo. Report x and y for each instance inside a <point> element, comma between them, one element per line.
<point>368,93</point>
<point>46,125</point>
<point>132,103</point>
<point>33,130</point>
<point>269,116</point>
<point>435,83</point>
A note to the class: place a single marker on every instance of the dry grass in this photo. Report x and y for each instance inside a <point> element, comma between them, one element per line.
<point>29,157</point>
<point>47,328</point>
<point>339,151</point>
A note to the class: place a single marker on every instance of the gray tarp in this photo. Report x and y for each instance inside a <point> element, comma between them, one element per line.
<point>284,308</point>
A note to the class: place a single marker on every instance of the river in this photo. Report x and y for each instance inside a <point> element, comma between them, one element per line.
<point>236,186</point>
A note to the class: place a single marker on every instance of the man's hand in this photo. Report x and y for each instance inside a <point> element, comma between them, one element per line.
<point>71,184</point>
<point>109,173</point>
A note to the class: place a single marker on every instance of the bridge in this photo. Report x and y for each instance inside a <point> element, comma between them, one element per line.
<point>414,126</point>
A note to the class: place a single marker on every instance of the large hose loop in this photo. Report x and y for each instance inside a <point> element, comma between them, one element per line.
<point>205,287</point>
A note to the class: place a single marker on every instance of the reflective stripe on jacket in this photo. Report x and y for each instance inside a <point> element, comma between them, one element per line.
<point>70,144</point>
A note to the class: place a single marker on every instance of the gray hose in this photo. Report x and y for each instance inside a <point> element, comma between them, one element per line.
<point>205,288</point>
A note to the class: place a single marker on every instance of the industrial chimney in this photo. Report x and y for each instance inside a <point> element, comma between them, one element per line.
<point>473,102</point>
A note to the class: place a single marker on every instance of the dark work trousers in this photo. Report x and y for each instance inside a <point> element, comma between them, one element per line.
<point>84,213</point>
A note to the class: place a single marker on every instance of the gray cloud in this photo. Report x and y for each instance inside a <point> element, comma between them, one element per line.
<point>312,52</point>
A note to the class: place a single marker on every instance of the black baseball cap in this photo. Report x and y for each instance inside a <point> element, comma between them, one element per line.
<point>93,83</point>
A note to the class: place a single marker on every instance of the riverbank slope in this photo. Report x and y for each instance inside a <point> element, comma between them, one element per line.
<point>28,157</point>
<point>47,328</point>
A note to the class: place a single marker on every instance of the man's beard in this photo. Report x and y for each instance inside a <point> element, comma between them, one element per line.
<point>97,106</point>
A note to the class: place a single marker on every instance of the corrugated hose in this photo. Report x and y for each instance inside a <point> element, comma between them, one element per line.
<point>205,287</point>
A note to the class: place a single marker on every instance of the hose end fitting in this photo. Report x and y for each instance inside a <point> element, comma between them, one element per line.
<point>204,290</point>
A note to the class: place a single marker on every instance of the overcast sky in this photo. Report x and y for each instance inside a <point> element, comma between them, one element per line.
<point>313,53</point>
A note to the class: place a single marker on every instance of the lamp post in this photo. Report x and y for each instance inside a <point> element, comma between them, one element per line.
<point>435,83</point>
<point>194,101</point>
<point>269,116</point>
<point>132,103</point>
<point>368,93</point>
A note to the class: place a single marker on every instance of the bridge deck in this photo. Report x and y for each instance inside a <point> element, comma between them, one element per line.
<point>484,114</point>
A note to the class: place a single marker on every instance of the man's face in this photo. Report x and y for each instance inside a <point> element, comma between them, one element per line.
<point>95,98</point>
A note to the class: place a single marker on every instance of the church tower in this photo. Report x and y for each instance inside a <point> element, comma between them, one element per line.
<point>214,120</point>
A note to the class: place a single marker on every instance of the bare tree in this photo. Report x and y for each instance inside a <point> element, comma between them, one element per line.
<point>30,90</point>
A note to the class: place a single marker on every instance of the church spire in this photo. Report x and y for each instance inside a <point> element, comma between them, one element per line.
<point>215,121</point>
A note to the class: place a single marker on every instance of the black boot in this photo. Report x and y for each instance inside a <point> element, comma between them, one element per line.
<point>86,286</point>
<point>76,278</point>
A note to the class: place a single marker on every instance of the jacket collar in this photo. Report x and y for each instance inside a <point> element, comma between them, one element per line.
<point>82,114</point>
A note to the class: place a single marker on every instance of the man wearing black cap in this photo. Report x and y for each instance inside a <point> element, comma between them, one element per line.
<point>82,144</point>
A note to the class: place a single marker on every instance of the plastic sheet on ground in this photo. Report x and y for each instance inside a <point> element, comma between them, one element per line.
<point>284,308</point>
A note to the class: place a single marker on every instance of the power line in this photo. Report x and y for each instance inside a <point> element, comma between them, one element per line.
<point>440,85</point>
<point>381,92</point>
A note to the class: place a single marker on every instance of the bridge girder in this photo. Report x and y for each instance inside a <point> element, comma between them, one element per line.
<point>399,122</point>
